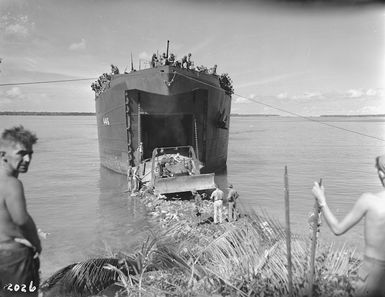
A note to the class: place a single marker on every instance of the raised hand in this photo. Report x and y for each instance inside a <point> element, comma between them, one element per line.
<point>319,194</point>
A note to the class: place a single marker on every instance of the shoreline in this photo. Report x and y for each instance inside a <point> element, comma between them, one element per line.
<point>48,113</point>
<point>268,239</point>
<point>183,257</point>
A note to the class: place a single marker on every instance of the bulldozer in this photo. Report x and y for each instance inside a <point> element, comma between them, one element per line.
<point>171,170</point>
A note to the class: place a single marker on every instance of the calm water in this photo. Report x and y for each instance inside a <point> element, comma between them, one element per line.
<point>86,212</point>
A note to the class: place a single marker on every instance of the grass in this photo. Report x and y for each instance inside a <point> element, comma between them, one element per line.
<point>183,258</point>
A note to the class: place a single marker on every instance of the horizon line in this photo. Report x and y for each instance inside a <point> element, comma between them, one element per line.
<point>232,114</point>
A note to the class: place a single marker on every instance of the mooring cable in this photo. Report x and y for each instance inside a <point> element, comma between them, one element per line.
<point>287,111</point>
<point>218,88</point>
<point>45,82</point>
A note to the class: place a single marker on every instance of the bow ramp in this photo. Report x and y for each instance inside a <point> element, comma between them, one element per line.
<point>174,170</point>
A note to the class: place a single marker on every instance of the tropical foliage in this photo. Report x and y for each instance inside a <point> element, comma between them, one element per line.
<point>183,258</point>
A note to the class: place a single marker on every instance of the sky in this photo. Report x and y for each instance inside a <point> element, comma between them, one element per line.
<point>284,57</point>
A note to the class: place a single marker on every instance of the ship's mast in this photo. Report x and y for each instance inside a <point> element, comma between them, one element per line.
<point>132,64</point>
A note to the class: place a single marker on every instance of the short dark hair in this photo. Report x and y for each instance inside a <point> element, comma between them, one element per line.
<point>19,134</point>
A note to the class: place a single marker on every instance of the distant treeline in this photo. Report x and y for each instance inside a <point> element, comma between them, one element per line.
<point>253,115</point>
<point>47,113</point>
<point>54,113</point>
<point>353,115</point>
<point>59,113</point>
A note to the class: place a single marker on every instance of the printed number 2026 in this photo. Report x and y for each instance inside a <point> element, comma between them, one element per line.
<point>21,288</point>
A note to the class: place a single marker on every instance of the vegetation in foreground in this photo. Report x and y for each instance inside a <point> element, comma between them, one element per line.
<point>187,258</point>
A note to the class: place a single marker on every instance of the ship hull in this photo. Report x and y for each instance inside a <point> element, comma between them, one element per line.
<point>163,107</point>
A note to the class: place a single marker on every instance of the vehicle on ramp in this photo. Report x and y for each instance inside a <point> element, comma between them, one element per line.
<point>173,170</point>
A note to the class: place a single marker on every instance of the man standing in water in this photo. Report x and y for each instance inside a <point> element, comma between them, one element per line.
<point>372,207</point>
<point>19,240</point>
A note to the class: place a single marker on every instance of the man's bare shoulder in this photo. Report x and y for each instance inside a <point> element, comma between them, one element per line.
<point>381,194</point>
<point>10,181</point>
<point>366,196</point>
<point>372,199</point>
<point>10,184</point>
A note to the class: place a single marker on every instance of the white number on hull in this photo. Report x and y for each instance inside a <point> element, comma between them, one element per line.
<point>106,121</point>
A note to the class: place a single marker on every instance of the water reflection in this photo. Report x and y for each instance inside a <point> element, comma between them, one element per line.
<point>122,220</point>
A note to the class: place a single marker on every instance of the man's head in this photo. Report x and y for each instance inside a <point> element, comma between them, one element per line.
<point>380,165</point>
<point>16,149</point>
<point>230,186</point>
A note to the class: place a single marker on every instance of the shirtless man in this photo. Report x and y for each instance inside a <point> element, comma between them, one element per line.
<point>19,240</point>
<point>372,207</point>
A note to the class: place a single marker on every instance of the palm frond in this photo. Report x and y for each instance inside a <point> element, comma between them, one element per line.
<point>88,277</point>
<point>336,261</point>
<point>56,277</point>
<point>234,254</point>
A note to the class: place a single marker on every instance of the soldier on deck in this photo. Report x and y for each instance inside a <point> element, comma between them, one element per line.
<point>154,61</point>
<point>189,62</point>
